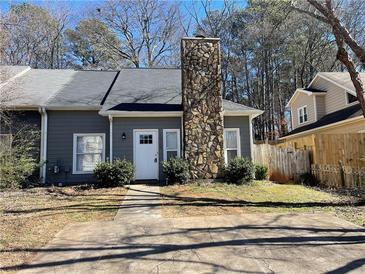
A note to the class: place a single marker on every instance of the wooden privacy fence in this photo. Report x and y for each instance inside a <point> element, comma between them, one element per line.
<point>339,160</point>
<point>285,164</point>
<point>340,176</point>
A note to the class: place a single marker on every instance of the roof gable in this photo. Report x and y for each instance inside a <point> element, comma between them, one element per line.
<point>307,91</point>
<point>340,79</point>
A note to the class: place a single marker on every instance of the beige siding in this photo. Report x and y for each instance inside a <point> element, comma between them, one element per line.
<point>356,126</point>
<point>335,97</point>
<point>321,106</point>
<point>302,100</point>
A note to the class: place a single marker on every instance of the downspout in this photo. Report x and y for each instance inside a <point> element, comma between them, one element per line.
<point>43,156</point>
<point>182,137</point>
<point>251,136</point>
<point>110,138</point>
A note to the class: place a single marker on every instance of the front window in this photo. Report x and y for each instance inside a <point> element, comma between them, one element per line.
<point>89,150</point>
<point>171,140</point>
<point>302,115</point>
<point>231,144</point>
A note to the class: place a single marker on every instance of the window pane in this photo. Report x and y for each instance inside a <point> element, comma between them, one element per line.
<point>231,154</point>
<point>171,140</point>
<point>145,139</point>
<point>171,154</point>
<point>231,139</point>
<point>89,144</point>
<point>87,162</point>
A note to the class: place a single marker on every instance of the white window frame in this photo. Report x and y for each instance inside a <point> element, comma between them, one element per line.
<point>237,130</point>
<point>165,150</point>
<point>74,158</point>
<point>299,109</point>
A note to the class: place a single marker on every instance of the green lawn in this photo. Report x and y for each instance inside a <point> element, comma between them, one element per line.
<point>257,197</point>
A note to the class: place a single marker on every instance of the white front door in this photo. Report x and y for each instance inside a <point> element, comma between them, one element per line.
<point>146,154</point>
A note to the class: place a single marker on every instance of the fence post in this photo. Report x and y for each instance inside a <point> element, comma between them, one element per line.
<point>342,174</point>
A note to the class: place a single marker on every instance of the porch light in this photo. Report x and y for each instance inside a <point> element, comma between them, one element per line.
<point>124,136</point>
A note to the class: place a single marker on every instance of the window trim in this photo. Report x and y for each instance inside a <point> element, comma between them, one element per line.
<point>74,158</point>
<point>299,109</point>
<point>165,150</point>
<point>237,130</point>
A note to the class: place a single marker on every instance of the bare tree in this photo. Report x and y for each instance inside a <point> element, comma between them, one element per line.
<point>33,36</point>
<point>94,45</point>
<point>148,30</point>
<point>343,37</point>
<point>18,141</point>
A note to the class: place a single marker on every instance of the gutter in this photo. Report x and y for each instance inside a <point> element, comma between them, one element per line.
<point>120,113</point>
<point>141,113</point>
<point>44,134</point>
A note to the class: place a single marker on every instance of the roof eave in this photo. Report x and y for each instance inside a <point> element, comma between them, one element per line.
<point>75,107</point>
<point>354,119</point>
<point>254,113</point>
<point>22,107</point>
<point>116,113</point>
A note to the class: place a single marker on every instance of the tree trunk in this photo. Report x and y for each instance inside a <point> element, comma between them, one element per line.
<point>342,35</point>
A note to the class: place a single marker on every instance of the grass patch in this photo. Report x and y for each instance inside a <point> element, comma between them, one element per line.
<point>199,199</point>
<point>30,218</point>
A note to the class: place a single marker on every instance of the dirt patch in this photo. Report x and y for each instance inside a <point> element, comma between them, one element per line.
<point>30,218</point>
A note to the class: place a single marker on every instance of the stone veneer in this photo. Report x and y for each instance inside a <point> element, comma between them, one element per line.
<point>202,105</point>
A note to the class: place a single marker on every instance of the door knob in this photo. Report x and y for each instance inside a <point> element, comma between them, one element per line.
<point>155,160</point>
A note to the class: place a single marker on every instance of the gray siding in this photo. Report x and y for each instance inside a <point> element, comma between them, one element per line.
<point>241,122</point>
<point>123,149</point>
<point>61,127</point>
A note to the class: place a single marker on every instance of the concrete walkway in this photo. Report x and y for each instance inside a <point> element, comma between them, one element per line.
<point>141,201</point>
<point>140,240</point>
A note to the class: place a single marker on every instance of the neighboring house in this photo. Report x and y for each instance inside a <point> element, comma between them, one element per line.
<point>143,115</point>
<point>328,105</point>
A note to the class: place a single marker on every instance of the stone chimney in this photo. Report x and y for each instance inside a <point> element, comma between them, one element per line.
<point>202,105</point>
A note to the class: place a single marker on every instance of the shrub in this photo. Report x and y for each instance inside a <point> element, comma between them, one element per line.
<point>260,172</point>
<point>117,173</point>
<point>239,170</point>
<point>15,170</point>
<point>308,179</point>
<point>18,158</point>
<point>176,170</point>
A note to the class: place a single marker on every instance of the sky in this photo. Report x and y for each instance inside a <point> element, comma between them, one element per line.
<point>80,4</point>
<point>79,9</point>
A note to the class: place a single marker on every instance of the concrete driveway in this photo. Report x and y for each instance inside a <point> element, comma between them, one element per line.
<point>139,240</point>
